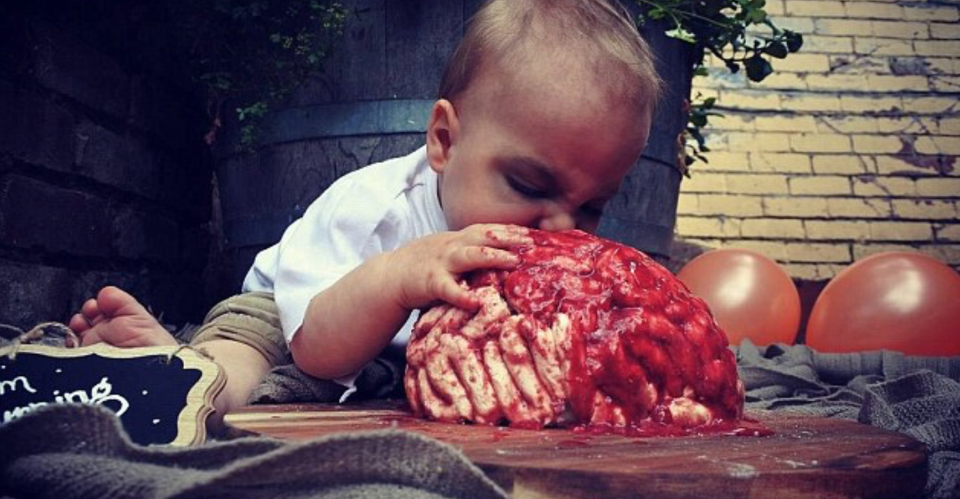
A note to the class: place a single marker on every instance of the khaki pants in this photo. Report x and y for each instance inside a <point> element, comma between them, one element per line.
<point>251,319</point>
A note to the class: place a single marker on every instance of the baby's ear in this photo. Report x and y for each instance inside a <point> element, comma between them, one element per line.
<point>442,131</point>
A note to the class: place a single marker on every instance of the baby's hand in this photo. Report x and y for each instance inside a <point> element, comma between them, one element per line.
<point>427,268</point>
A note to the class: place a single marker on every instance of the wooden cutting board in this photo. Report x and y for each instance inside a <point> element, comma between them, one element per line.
<point>805,457</point>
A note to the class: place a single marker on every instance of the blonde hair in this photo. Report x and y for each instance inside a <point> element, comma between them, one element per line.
<point>602,29</point>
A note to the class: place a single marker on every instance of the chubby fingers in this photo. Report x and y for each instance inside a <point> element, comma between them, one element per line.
<point>467,258</point>
<point>498,235</point>
<point>446,288</point>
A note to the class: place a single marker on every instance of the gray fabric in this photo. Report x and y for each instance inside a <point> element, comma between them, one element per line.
<point>80,452</point>
<point>919,396</point>
<point>287,384</point>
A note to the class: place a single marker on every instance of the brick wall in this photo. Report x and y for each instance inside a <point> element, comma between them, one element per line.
<point>103,178</point>
<point>848,149</point>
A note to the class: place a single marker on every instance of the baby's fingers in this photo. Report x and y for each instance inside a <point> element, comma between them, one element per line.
<point>451,292</point>
<point>470,258</point>
<point>500,236</point>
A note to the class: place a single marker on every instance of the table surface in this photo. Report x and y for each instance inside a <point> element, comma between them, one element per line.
<point>805,457</point>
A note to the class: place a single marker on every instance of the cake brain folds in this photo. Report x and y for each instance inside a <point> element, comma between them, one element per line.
<point>583,331</point>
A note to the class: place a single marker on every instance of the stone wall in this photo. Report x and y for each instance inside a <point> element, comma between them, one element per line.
<point>848,149</point>
<point>103,176</point>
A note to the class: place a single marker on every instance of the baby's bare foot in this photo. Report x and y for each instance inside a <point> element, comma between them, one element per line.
<point>116,318</point>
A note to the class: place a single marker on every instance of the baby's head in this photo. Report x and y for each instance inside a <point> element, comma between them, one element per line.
<point>543,109</point>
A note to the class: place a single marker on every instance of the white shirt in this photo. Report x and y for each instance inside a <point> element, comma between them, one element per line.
<point>364,213</point>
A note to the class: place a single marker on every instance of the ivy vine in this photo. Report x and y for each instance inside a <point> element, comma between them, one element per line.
<point>252,54</point>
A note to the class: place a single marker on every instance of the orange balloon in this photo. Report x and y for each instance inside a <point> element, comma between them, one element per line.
<point>749,294</point>
<point>898,300</point>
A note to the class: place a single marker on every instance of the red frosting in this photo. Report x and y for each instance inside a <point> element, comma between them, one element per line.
<point>583,331</point>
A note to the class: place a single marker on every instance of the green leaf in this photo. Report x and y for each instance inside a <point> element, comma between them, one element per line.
<point>794,40</point>
<point>701,71</point>
<point>681,34</point>
<point>757,68</point>
<point>776,49</point>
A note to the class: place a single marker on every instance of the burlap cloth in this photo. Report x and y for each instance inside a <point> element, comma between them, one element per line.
<point>78,452</point>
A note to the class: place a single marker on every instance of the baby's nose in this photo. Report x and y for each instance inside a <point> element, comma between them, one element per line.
<point>560,220</point>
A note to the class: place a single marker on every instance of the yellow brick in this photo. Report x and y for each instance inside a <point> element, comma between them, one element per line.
<point>858,208</point>
<point>945,30</point>
<point>891,83</point>
<point>745,100</point>
<point>859,64</point>
<point>839,164</point>
<point>836,230</point>
<point>949,232</point>
<point>843,27</point>
<point>688,204</point>
<point>827,44</point>
<point>900,231</point>
<point>926,209</point>
<point>771,228</point>
<point>779,162</point>
<point>786,124</point>
<point>763,141</point>
<point>794,206</point>
<point>820,142</point>
<point>802,63</point>
<point>873,144</point>
<point>861,251</point>
<point>942,48</point>
<point>922,12</point>
<point>942,65</point>
<point>938,144</point>
<point>728,205</point>
<point>945,84</point>
<point>883,186</point>
<point>780,81</point>
<point>939,187</point>
<point>809,102</point>
<point>814,8</point>
<point>931,105</point>
<point>730,121</point>
<point>804,271</point>
<point>818,252</point>
<point>883,46</point>
<point>837,82</point>
<point>708,227</point>
<point>900,29</point>
<point>949,126</point>
<point>775,250</point>
<point>821,185</point>
<point>757,184</point>
<point>874,10</point>
<point>704,182</point>
<point>847,124</point>
<point>793,23</point>
<point>721,161</point>
<point>911,124</point>
<point>917,165</point>
<point>852,103</point>
<point>774,7</point>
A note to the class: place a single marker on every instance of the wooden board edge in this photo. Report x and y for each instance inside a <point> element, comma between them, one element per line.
<point>199,407</point>
<point>191,422</point>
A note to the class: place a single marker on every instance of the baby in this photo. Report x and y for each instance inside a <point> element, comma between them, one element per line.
<point>542,110</point>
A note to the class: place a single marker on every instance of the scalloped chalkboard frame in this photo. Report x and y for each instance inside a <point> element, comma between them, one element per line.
<point>162,395</point>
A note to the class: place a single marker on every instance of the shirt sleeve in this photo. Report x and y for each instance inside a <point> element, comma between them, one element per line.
<point>335,235</point>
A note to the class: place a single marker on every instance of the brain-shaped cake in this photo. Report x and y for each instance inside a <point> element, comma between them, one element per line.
<point>583,331</point>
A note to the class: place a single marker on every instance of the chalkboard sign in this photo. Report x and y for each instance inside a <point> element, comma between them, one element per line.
<point>162,395</point>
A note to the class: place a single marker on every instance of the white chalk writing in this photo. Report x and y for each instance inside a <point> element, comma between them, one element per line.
<point>11,385</point>
<point>99,394</point>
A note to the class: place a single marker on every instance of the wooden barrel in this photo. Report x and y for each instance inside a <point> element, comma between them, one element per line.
<point>372,104</point>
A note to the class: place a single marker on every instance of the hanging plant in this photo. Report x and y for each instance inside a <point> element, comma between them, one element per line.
<point>251,54</point>
<point>737,32</point>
